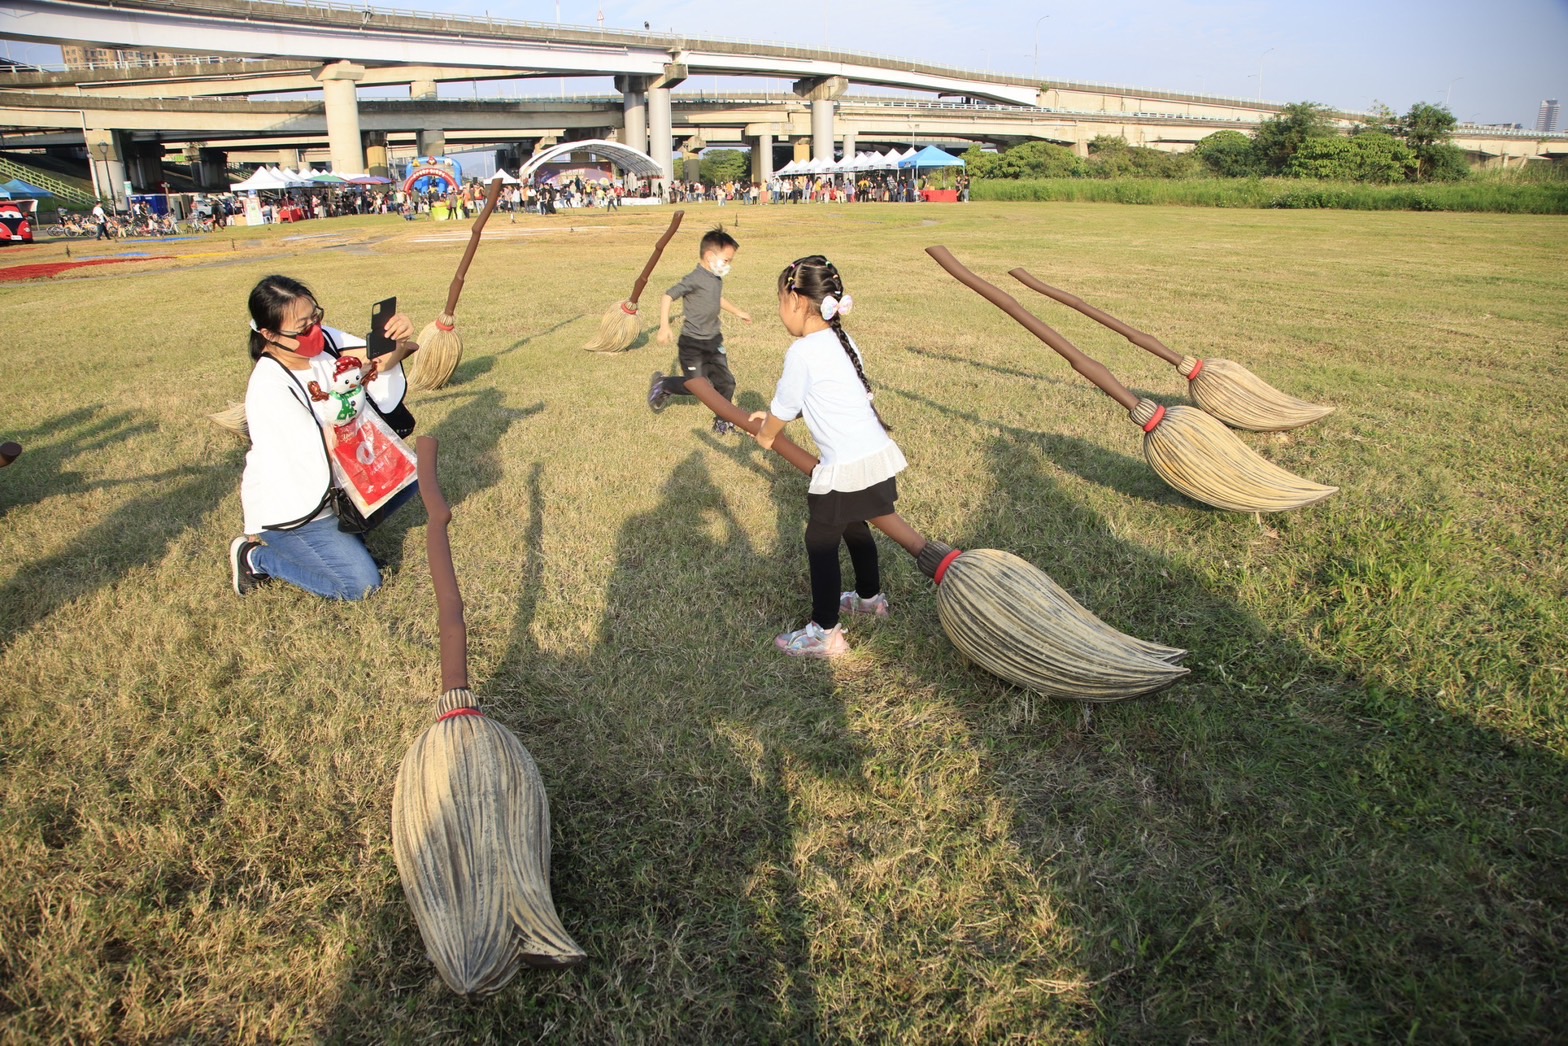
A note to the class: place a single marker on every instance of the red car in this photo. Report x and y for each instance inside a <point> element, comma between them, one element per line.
<point>14,225</point>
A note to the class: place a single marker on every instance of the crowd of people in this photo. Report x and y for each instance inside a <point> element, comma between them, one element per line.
<point>882,187</point>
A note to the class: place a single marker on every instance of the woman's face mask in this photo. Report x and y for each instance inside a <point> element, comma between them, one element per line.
<point>309,338</point>
<point>311,342</point>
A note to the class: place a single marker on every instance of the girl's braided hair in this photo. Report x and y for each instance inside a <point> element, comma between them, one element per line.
<point>814,278</point>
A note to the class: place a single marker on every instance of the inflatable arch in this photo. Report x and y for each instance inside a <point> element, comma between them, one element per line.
<point>443,174</point>
<point>623,156</point>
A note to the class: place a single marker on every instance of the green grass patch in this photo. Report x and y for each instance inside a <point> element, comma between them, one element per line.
<point>1480,195</point>
<point>1350,823</point>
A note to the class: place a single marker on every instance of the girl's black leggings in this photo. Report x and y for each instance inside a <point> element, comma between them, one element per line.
<point>822,554</point>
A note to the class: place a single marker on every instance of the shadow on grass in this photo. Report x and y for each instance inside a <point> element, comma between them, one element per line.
<point>51,446</point>
<point>1122,473</point>
<point>992,367</point>
<point>134,534</point>
<point>665,757</point>
<point>470,462</point>
<point>529,339</point>
<point>1275,847</point>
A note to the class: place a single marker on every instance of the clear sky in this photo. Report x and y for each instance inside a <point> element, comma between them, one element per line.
<point>1491,60</point>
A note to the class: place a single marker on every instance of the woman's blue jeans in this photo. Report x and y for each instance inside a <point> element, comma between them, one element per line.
<point>321,559</point>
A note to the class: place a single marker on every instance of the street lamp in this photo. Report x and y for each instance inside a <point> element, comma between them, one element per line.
<point>1450,92</point>
<point>1260,73</point>
<point>1037,22</point>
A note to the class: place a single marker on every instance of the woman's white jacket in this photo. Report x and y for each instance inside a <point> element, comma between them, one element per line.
<point>287,477</point>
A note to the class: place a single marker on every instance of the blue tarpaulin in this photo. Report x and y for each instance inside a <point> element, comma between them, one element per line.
<point>27,190</point>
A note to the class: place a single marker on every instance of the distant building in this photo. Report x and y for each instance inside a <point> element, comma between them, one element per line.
<point>1546,118</point>
<point>76,56</point>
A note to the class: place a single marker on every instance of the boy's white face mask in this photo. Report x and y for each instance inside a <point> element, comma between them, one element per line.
<point>719,268</point>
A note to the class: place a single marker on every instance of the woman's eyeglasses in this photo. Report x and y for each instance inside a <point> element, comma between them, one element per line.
<point>315,317</point>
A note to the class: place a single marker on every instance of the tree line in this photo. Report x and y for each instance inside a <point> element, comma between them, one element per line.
<point>1300,141</point>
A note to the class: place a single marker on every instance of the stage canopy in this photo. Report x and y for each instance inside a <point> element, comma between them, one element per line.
<point>623,156</point>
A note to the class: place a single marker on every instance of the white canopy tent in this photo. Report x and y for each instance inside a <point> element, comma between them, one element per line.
<point>269,179</point>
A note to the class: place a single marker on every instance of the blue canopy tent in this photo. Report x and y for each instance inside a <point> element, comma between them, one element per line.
<point>930,156</point>
<point>25,190</point>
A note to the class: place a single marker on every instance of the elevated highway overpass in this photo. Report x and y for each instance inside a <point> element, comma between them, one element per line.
<point>128,116</point>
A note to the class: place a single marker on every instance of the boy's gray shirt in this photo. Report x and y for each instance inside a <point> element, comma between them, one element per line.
<point>703,292</point>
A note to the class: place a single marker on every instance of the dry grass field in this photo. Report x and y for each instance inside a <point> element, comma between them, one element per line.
<point>1350,823</point>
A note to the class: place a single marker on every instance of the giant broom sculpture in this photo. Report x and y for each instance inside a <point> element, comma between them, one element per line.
<point>1005,614</point>
<point>622,322</point>
<point>1187,448</point>
<point>9,452</point>
<point>440,346</point>
<point>1225,389</point>
<point>470,818</point>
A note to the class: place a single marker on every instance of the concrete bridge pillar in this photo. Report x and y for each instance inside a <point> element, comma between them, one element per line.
<point>337,85</point>
<point>422,90</point>
<point>211,167</point>
<point>822,129</point>
<point>634,96</point>
<point>691,158</point>
<point>376,154</point>
<point>106,149</point>
<point>430,143</point>
<point>660,126</point>
<point>289,159</point>
<point>145,161</point>
<point>820,92</point>
<point>659,131</point>
<point>801,150</point>
<point>762,159</point>
<point>849,145</point>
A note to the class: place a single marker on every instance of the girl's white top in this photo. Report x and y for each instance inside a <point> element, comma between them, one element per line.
<point>820,383</point>
<point>287,475</point>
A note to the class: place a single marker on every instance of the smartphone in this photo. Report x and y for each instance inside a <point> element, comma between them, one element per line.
<point>376,342</point>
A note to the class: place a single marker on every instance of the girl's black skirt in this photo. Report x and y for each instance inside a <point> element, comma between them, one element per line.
<point>839,507</point>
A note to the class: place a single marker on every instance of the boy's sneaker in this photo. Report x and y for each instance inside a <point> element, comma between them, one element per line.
<point>851,603</point>
<point>658,399</point>
<point>813,641</point>
<point>246,580</point>
<point>722,427</point>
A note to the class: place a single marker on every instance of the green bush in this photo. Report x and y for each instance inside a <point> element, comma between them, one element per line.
<point>1478,195</point>
<point>1228,154</point>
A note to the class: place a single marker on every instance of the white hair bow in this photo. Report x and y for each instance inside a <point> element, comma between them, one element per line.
<point>832,306</point>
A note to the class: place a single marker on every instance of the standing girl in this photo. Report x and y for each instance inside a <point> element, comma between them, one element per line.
<point>853,482</point>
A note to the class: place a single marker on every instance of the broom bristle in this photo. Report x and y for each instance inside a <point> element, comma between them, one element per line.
<point>440,351</point>
<point>1010,618</point>
<point>1240,398</point>
<point>617,329</point>
<point>471,838</point>
<point>232,419</point>
<point>1204,460</point>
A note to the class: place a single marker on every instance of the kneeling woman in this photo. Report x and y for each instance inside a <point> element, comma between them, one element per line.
<point>291,528</point>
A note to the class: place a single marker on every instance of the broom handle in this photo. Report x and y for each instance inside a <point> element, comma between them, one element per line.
<point>1072,301</point>
<point>456,289</point>
<point>892,525</point>
<point>723,409</point>
<point>1089,368</point>
<point>449,601</point>
<point>653,259</point>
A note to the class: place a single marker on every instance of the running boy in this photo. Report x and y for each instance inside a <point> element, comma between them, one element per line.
<point>702,338</point>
